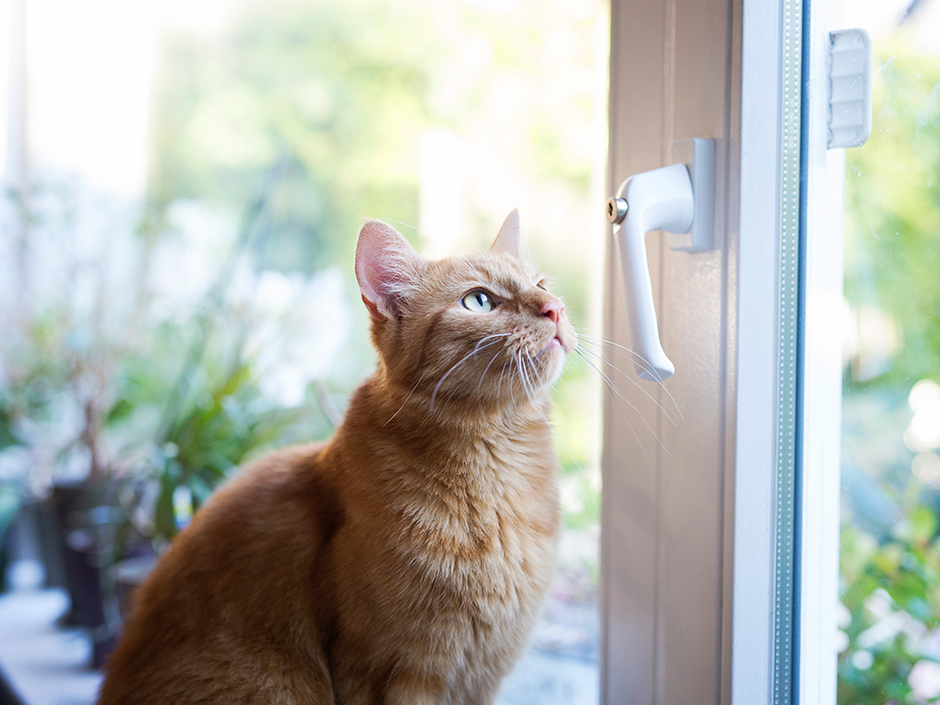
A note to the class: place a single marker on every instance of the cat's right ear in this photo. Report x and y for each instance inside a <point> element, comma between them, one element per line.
<point>387,268</point>
<point>508,238</point>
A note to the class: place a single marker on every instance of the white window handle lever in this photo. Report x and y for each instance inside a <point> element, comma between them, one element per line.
<point>677,199</point>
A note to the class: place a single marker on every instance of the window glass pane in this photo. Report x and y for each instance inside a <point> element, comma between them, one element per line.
<point>185,181</point>
<point>890,552</point>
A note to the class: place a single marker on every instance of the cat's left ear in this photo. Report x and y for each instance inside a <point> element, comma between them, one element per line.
<point>508,239</point>
<point>387,268</point>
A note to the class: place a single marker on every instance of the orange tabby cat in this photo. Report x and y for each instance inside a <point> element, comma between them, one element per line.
<point>405,560</point>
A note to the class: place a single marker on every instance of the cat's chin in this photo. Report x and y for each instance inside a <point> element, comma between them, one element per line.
<point>553,344</point>
<point>553,356</point>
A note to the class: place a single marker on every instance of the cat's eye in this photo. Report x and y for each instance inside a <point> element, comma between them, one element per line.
<point>478,301</point>
<point>541,285</point>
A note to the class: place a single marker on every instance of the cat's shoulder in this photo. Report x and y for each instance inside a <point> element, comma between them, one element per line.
<point>283,486</point>
<point>282,465</point>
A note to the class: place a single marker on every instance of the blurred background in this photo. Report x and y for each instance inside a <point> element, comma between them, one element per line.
<point>889,619</point>
<point>183,182</point>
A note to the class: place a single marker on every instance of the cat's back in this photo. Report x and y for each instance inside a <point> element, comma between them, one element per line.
<point>236,592</point>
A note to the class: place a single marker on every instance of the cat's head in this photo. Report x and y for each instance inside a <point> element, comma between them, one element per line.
<point>482,329</point>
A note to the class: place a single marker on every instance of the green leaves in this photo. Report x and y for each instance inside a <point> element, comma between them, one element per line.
<point>217,427</point>
<point>892,593</point>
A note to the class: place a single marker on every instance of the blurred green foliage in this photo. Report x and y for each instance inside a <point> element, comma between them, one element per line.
<point>890,549</point>
<point>343,99</point>
<point>891,590</point>
<point>893,209</point>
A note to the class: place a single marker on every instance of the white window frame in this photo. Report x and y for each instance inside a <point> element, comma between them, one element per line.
<point>821,373</point>
<point>755,185</point>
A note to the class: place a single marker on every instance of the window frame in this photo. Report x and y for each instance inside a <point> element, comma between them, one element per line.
<point>763,618</point>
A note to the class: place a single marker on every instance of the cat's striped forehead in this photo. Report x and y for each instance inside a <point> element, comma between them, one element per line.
<point>504,274</point>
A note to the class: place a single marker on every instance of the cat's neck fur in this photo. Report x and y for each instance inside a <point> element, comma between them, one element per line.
<point>413,408</point>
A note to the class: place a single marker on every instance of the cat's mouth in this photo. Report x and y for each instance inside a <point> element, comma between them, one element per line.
<point>554,344</point>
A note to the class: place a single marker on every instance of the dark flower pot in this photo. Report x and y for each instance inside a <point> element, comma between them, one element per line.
<point>79,532</point>
<point>94,604</point>
<point>7,695</point>
<point>54,522</point>
<point>128,576</point>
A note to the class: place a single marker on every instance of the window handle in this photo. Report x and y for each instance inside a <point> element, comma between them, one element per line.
<point>677,199</point>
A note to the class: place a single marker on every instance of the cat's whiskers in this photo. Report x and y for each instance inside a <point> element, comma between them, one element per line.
<point>420,379</point>
<point>518,368</point>
<point>479,346</point>
<point>523,377</point>
<point>630,379</point>
<point>613,388</point>
<point>511,397</point>
<point>633,381</point>
<point>487,369</point>
<point>633,357</point>
<point>499,386</point>
<point>526,380</point>
<point>530,386</point>
<point>544,416</point>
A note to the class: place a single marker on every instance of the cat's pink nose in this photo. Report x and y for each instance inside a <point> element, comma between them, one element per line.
<point>553,309</point>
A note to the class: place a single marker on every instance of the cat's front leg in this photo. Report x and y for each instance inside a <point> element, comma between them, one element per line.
<point>422,691</point>
<point>414,690</point>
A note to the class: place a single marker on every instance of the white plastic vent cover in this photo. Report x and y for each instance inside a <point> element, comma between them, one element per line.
<point>849,88</point>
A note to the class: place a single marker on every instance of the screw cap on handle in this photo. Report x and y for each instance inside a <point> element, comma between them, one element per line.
<point>617,210</point>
